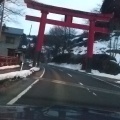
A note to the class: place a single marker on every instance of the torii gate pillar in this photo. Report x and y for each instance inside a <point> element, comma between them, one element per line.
<point>90,45</point>
<point>40,38</point>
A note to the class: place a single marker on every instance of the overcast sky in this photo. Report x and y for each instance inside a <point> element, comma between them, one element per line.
<point>83,5</point>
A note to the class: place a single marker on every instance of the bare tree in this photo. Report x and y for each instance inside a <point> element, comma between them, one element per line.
<point>8,9</point>
<point>97,9</point>
<point>62,36</point>
<point>13,8</point>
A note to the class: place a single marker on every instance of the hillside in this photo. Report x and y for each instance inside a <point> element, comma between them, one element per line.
<point>100,47</point>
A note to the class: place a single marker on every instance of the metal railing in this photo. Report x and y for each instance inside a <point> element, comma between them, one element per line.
<point>5,61</point>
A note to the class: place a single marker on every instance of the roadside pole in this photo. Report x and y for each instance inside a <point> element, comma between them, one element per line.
<point>23,59</point>
<point>2,15</point>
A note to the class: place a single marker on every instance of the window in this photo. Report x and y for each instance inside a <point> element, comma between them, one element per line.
<point>10,40</point>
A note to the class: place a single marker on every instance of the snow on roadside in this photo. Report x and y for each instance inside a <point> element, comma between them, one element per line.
<point>93,72</point>
<point>9,67</point>
<point>30,65</point>
<point>97,73</point>
<point>70,66</point>
<point>21,74</point>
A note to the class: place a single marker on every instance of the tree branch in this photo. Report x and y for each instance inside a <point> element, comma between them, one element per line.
<point>15,12</point>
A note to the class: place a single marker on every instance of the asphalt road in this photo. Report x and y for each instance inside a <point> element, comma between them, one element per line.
<point>68,87</point>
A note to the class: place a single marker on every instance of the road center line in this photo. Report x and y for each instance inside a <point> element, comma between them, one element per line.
<point>88,89</point>
<point>80,83</point>
<point>94,94</point>
<point>69,75</point>
<point>25,91</point>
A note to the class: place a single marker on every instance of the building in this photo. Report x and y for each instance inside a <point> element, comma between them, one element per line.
<point>10,40</point>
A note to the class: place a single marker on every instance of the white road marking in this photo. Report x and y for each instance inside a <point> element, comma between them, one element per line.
<point>25,91</point>
<point>94,94</point>
<point>88,89</point>
<point>80,83</point>
<point>107,82</point>
<point>82,86</point>
<point>69,75</point>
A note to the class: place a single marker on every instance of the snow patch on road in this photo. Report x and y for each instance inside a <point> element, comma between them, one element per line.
<point>20,74</point>
<point>9,67</point>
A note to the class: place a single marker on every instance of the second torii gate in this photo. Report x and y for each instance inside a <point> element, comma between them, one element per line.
<point>68,22</point>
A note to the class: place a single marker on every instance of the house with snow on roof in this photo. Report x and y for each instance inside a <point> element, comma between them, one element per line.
<point>10,40</point>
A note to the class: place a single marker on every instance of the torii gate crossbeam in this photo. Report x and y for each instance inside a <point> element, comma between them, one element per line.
<point>68,22</point>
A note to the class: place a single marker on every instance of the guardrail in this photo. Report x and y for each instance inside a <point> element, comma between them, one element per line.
<point>5,61</point>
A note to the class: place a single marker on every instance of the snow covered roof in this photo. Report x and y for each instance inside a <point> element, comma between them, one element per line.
<point>15,31</point>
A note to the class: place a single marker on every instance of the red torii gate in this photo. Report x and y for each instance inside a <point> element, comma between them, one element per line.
<point>69,14</point>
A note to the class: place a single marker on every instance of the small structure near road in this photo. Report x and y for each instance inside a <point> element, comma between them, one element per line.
<point>9,42</point>
<point>7,61</point>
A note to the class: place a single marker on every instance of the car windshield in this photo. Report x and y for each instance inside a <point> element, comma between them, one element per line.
<point>60,56</point>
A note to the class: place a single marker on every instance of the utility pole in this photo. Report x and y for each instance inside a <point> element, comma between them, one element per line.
<point>30,30</point>
<point>2,6</point>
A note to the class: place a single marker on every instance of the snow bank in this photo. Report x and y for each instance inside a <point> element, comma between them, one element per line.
<point>93,72</point>
<point>84,39</point>
<point>100,47</point>
<point>21,74</point>
<point>70,66</point>
<point>74,38</point>
<point>30,65</point>
<point>9,67</point>
<point>97,73</point>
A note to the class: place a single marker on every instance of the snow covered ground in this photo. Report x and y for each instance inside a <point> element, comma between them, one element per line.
<point>9,67</point>
<point>100,47</point>
<point>70,66</point>
<point>20,74</point>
